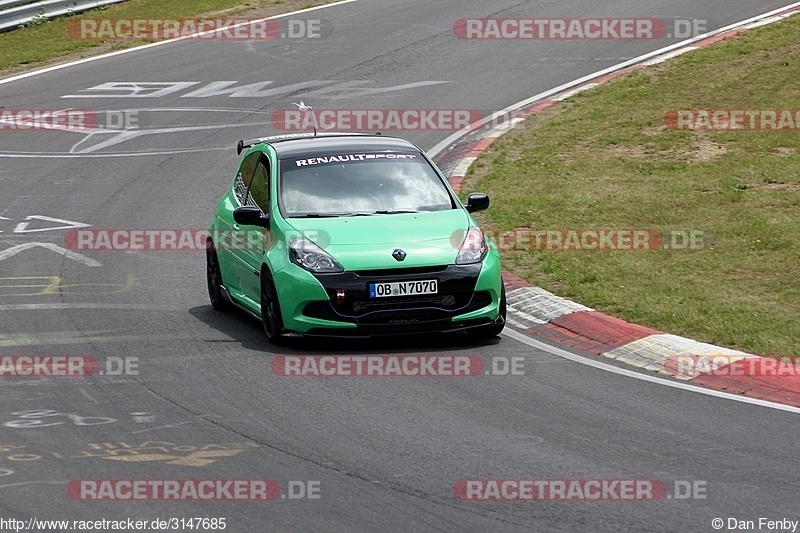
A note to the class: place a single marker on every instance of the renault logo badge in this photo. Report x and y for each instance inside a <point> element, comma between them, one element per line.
<point>399,254</point>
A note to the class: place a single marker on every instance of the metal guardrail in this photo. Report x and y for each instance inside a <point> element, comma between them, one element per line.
<point>14,13</point>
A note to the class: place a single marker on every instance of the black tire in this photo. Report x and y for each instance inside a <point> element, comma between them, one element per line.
<point>214,279</point>
<point>487,332</point>
<point>271,317</point>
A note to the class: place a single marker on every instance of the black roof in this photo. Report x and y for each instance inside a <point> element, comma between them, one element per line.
<point>302,145</point>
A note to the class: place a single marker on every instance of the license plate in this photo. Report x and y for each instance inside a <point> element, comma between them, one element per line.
<point>403,288</point>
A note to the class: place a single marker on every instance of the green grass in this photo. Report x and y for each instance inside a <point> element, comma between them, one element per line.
<point>604,159</point>
<point>48,40</point>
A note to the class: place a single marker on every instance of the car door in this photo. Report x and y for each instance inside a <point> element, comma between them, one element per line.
<point>254,239</point>
<point>227,229</point>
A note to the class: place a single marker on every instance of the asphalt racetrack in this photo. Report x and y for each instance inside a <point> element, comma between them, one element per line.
<point>187,393</point>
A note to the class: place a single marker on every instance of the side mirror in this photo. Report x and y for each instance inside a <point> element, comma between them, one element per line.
<point>477,202</point>
<point>249,215</point>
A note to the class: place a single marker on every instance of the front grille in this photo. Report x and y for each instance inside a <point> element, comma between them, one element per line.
<point>409,316</point>
<point>444,301</point>
<point>349,301</point>
<point>400,271</point>
<point>361,305</point>
<point>399,310</point>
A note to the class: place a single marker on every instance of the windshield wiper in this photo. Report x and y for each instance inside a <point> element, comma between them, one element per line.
<point>324,215</point>
<point>359,213</point>
<point>394,211</point>
<point>333,215</point>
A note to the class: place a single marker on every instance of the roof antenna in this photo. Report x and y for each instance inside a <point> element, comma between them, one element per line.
<point>303,108</point>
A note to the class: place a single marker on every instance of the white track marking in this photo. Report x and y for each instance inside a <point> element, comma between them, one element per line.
<point>159,43</point>
<point>521,337</point>
<point>14,250</point>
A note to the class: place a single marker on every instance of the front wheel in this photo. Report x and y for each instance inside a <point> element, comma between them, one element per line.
<point>487,332</point>
<point>214,279</point>
<point>270,310</point>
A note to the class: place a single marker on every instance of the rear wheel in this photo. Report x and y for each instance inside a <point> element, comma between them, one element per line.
<point>270,310</point>
<point>214,279</point>
<point>487,332</point>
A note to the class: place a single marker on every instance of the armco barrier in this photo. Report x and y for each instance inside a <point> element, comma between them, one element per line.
<point>14,13</point>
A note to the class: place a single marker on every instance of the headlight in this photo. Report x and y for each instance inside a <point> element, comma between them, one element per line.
<point>311,257</point>
<point>473,249</point>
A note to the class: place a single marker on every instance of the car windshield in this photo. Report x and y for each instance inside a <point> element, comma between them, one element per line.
<point>361,184</point>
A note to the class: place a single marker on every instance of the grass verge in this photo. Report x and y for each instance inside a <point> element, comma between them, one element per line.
<point>605,159</point>
<point>45,42</point>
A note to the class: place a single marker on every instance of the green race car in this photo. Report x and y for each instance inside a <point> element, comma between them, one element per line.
<point>351,235</point>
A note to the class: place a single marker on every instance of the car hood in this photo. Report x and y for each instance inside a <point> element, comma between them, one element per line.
<point>367,242</point>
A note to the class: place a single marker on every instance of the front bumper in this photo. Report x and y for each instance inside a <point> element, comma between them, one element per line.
<point>468,296</point>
